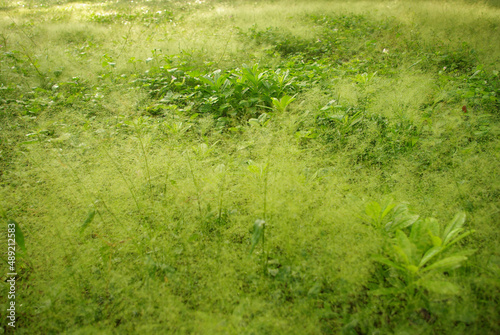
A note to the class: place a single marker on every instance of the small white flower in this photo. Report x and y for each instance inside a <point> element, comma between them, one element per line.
<point>386,51</point>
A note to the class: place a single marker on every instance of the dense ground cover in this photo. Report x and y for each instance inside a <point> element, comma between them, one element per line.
<point>242,167</point>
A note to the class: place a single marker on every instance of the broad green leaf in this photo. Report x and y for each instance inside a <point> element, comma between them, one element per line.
<point>446,264</point>
<point>88,220</point>
<point>418,231</point>
<point>18,235</point>
<point>254,122</point>
<point>386,261</point>
<point>436,240</point>
<point>403,221</point>
<point>429,255</point>
<point>282,103</point>
<point>276,103</point>
<point>457,222</point>
<point>400,210</point>
<point>406,246</point>
<point>258,232</point>
<point>207,80</point>
<point>403,257</point>
<point>441,287</point>
<point>434,226</point>
<point>451,235</point>
<point>387,208</point>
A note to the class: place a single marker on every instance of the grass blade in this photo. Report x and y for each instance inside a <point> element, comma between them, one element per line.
<point>457,222</point>
<point>258,230</point>
<point>88,220</point>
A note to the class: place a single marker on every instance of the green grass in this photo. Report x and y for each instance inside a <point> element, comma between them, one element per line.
<point>242,167</point>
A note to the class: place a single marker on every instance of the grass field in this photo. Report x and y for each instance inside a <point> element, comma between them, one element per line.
<point>250,167</point>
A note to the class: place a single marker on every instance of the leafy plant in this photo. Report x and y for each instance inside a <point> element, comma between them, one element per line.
<point>258,234</point>
<point>261,121</point>
<point>161,143</point>
<point>481,89</point>
<point>388,216</point>
<point>282,103</point>
<point>425,252</point>
<point>237,93</point>
<point>218,83</point>
<point>339,122</point>
<point>364,78</point>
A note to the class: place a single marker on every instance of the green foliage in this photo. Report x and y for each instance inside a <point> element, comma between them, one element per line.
<point>334,38</point>
<point>282,103</point>
<point>461,60</point>
<point>237,93</point>
<point>388,216</point>
<point>147,111</point>
<point>422,254</point>
<point>282,42</point>
<point>344,121</point>
<point>385,139</point>
<point>261,121</point>
<point>481,89</point>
